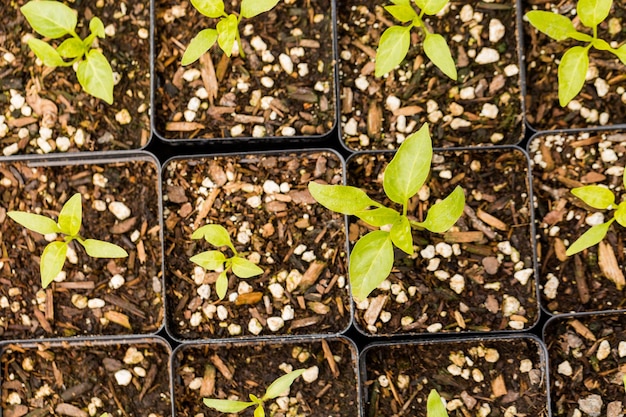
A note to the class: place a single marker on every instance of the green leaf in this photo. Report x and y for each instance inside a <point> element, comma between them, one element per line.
<point>554,25</point>
<point>398,2</point>
<point>342,199</point>
<point>579,36</point>
<point>209,8</point>
<point>201,43</point>
<point>51,19</point>
<point>593,12</point>
<point>595,196</point>
<point>101,249</point>
<point>392,48</point>
<point>401,235</point>
<point>620,53</point>
<point>96,76</point>
<point>71,215</point>
<point>259,411</point>
<point>591,237</point>
<point>215,234</point>
<point>379,216</point>
<point>227,406</point>
<point>46,53</point>
<point>601,44</point>
<point>572,72</point>
<point>281,384</point>
<point>221,285</point>
<point>437,50</point>
<point>371,261</point>
<point>210,260</point>
<point>431,7</point>
<point>52,260</point>
<point>35,222</point>
<point>96,26</point>
<point>251,8</point>
<point>243,268</point>
<point>435,406</point>
<point>409,168</point>
<point>620,213</point>
<point>227,33</point>
<point>443,214</point>
<point>402,12</point>
<point>71,48</point>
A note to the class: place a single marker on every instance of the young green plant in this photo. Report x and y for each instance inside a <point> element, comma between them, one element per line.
<point>214,260</point>
<point>395,40</point>
<point>435,406</point>
<point>55,20</point>
<point>68,224</point>
<point>226,32</point>
<point>276,388</point>
<point>372,257</point>
<point>575,61</point>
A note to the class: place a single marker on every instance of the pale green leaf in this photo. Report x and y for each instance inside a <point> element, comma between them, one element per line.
<point>342,199</point>
<point>620,214</point>
<point>401,235</point>
<point>371,261</point>
<point>579,36</point>
<point>209,8</point>
<point>402,12</point>
<point>431,7</point>
<point>51,19</point>
<point>227,33</point>
<point>259,411</point>
<point>621,54</point>
<point>227,406</point>
<point>281,384</point>
<point>251,8</point>
<point>243,268</point>
<point>46,53</point>
<point>101,249</point>
<point>591,237</point>
<point>401,2</point>
<point>221,285</point>
<point>572,72</point>
<point>592,12</point>
<point>601,44</point>
<point>97,27</point>
<point>71,48</point>
<point>443,214</point>
<point>409,168</point>
<point>96,76</point>
<point>210,260</point>
<point>201,43</point>
<point>392,48</point>
<point>215,234</point>
<point>595,196</point>
<point>435,406</point>
<point>71,215</point>
<point>35,222</point>
<point>437,50</point>
<point>52,260</point>
<point>379,216</point>
<point>554,25</point>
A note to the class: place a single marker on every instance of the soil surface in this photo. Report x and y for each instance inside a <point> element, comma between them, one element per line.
<point>263,202</point>
<point>94,296</point>
<point>283,84</point>
<point>561,162</point>
<point>587,363</point>
<point>237,370</point>
<point>45,110</point>
<point>129,379</point>
<point>495,378</point>
<point>602,99</point>
<point>476,277</point>
<point>378,113</point>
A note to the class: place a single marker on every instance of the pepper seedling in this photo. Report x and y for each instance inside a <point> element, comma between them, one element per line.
<point>55,20</point>
<point>395,40</point>
<point>435,406</point>
<point>214,260</point>
<point>276,388</point>
<point>372,256</point>
<point>574,63</point>
<point>226,32</point>
<point>68,224</point>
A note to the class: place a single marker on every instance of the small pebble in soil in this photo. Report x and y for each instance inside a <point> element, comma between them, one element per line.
<point>311,374</point>
<point>119,210</point>
<point>275,323</point>
<point>255,327</point>
<point>591,405</point>
<point>123,377</point>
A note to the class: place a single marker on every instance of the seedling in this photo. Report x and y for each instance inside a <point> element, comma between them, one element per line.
<point>435,406</point>
<point>395,40</point>
<point>575,61</point>
<point>226,31</point>
<point>55,20</point>
<point>68,224</point>
<point>372,257</point>
<point>214,260</point>
<point>276,388</point>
